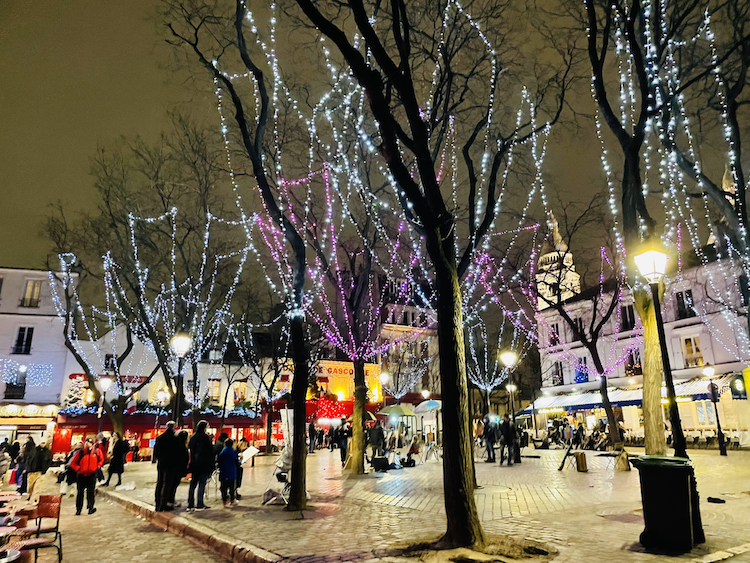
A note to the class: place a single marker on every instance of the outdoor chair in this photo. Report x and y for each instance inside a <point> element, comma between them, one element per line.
<point>48,509</point>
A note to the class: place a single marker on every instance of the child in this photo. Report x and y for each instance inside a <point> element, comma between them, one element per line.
<point>228,472</point>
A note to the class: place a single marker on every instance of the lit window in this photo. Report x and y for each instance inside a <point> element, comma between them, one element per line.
<point>31,293</point>
<point>214,390</point>
<point>693,353</point>
<point>557,373</point>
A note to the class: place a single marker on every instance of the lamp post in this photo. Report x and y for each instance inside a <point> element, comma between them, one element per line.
<point>180,345</point>
<point>652,263</point>
<point>104,383</point>
<point>384,379</point>
<point>161,397</point>
<point>509,359</point>
<point>713,391</point>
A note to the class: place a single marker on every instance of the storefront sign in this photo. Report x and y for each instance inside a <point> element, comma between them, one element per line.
<point>28,411</point>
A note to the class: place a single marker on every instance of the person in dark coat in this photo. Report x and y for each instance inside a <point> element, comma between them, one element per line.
<point>490,436</point>
<point>117,464</point>
<point>202,464</point>
<point>508,437</point>
<point>377,439</point>
<point>165,456</point>
<point>15,450</point>
<point>343,433</point>
<point>228,472</point>
<point>182,457</point>
<point>219,445</point>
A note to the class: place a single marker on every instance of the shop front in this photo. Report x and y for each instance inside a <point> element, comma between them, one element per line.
<point>19,422</point>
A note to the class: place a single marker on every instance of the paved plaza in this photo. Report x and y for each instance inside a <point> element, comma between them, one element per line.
<point>593,516</point>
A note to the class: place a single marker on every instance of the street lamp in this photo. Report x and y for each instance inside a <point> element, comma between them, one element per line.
<point>508,358</point>
<point>425,394</point>
<point>384,377</point>
<point>652,263</point>
<point>104,383</point>
<point>180,344</point>
<point>713,391</point>
<point>162,397</point>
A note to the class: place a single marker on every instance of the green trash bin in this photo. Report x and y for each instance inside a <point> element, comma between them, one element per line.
<point>667,503</point>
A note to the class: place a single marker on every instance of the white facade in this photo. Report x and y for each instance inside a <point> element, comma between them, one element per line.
<point>32,347</point>
<point>691,343</point>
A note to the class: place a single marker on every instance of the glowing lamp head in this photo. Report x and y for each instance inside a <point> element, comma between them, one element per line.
<point>709,371</point>
<point>23,368</point>
<point>105,383</point>
<point>631,381</point>
<point>652,263</point>
<point>425,393</point>
<point>180,344</point>
<point>508,358</point>
<point>384,377</point>
<point>161,395</point>
<point>340,395</point>
<point>511,388</point>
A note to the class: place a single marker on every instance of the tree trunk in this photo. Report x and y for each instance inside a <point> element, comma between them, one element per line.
<point>298,493</point>
<point>117,418</point>
<point>269,427</point>
<point>463,527</point>
<point>614,429</point>
<point>653,375</point>
<point>358,419</point>
<point>196,410</point>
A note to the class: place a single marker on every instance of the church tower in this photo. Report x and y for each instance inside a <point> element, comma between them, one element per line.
<point>556,276</point>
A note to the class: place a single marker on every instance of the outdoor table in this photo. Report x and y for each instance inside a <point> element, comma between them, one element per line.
<point>10,555</point>
<point>5,532</point>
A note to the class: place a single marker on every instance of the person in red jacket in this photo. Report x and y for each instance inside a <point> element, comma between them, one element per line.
<point>85,463</point>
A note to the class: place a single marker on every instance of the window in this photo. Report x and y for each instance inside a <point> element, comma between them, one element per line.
<point>744,290</point>
<point>627,318</point>
<point>685,304</point>
<point>578,331</point>
<point>23,340</point>
<point>554,335</point>
<point>214,390</point>
<point>31,293</point>
<point>240,391</point>
<point>557,373</point>
<point>633,365</point>
<point>16,390</point>
<point>110,362</point>
<point>693,353</point>
<point>582,374</point>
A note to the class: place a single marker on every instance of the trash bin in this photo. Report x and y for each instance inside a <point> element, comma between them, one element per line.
<point>667,502</point>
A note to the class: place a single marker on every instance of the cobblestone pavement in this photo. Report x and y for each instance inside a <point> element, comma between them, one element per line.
<point>592,516</point>
<point>112,535</point>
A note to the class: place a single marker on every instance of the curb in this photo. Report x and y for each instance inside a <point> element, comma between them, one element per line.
<point>226,547</point>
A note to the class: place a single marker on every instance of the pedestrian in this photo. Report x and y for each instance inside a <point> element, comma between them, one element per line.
<point>68,474</point>
<point>39,465</point>
<point>27,464</point>
<point>489,435</point>
<point>182,460</point>
<point>331,436</point>
<point>15,450</point>
<point>228,473</point>
<point>4,462</point>
<point>218,446</point>
<point>85,464</point>
<point>136,450</point>
<point>120,449</point>
<point>241,446</point>
<point>311,436</point>
<point>343,433</point>
<point>507,438</point>
<point>165,457</point>
<point>377,439</point>
<point>201,465</point>
<point>102,443</point>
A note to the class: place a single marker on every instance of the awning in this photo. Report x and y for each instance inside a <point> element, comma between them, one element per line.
<point>696,388</point>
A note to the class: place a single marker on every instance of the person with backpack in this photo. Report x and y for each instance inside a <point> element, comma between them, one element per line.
<point>85,464</point>
<point>202,464</point>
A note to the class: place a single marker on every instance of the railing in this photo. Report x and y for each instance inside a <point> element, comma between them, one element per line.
<point>28,302</point>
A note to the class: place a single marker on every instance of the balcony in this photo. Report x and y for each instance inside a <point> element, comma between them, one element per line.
<point>28,302</point>
<point>14,392</point>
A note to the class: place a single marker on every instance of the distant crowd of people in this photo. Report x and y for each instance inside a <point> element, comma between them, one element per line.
<point>27,464</point>
<point>490,433</point>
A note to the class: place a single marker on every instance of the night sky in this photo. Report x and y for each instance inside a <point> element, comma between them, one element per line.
<point>78,74</point>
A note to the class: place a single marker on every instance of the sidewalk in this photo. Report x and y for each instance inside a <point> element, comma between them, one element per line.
<point>586,516</point>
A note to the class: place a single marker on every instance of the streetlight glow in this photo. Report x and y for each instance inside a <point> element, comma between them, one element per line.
<point>105,383</point>
<point>425,393</point>
<point>652,264</point>
<point>709,371</point>
<point>384,377</point>
<point>512,388</point>
<point>180,344</point>
<point>508,358</point>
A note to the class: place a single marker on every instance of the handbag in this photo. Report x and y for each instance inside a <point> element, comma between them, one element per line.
<point>99,474</point>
